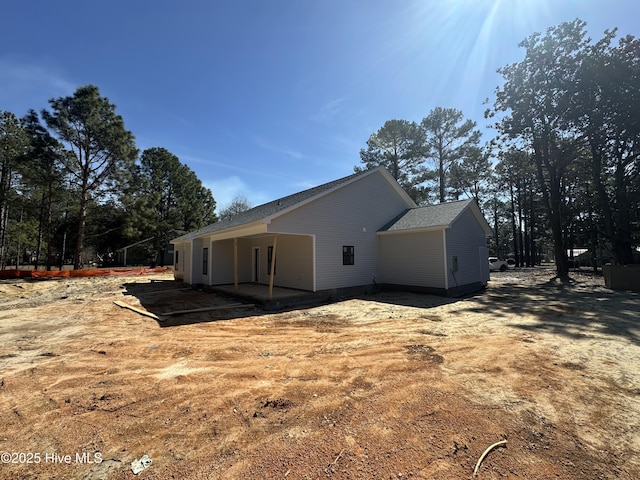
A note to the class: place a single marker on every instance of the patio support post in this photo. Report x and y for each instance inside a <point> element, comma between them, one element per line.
<point>273,265</point>
<point>235,263</point>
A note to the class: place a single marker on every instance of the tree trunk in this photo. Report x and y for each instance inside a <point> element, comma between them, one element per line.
<point>496,230</point>
<point>40,232</point>
<point>552,199</point>
<point>555,216</point>
<point>441,176</point>
<point>514,229</point>
<point>82,220</point>
<point>532,224</point>
<point>5,184</point>
<point>48,227</point>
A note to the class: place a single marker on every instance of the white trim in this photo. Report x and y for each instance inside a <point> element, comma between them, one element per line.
<point>414,230</point>
<point>189,271</point>
<point>246,230</point>
<point>313,257</point>
<point>446,260</point>
<point>255,269</point>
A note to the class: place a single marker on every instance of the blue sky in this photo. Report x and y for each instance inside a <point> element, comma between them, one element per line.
<point>266,98</point>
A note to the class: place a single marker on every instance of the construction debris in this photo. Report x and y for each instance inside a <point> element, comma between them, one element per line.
<point>489,448</point>
<point>140,464</point>
<point>137,310</point>
<point>207,309</point>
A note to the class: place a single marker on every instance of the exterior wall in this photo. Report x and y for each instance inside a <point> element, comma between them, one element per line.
<point>294,260</point>
<point>412,259</point>
<point>244,259</point>
<point>187,262</point>
<point>348,216</point>
<point>196,267</point>
<point>178,267</point>
<point>222,261</point>
<point>464,241</point>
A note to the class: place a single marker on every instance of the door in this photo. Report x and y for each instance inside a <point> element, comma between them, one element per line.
<point>255,269</point>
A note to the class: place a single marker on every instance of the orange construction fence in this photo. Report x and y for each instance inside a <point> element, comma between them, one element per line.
<point>79,273</point>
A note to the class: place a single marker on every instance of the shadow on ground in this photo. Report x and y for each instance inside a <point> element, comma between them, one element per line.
<point>575,307</point>
<point>564,307</point>
<point>165,296</point>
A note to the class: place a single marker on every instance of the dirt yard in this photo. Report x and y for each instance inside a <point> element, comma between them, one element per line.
<point>384,386</point>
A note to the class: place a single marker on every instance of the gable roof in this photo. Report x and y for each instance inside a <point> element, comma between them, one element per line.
<point>434,217</point>
<point>266,212</point>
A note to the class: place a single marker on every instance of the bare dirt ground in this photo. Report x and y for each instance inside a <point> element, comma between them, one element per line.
<point>384,386</point>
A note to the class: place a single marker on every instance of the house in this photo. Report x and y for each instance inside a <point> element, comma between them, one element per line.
<point>343,236</point>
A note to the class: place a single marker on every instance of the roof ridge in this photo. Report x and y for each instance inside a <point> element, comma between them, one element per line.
<point>444,203</point>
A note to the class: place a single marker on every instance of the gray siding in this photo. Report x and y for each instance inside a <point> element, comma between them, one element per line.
<point>187,262</point>
<point>196,268</point>
<point>412,259</point>
<point>347,216</point>
<point>464,239</point>
<point>222,261</point>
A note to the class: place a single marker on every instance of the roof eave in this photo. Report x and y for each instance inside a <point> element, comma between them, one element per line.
<point>433,228</point>
<point>235,231</point>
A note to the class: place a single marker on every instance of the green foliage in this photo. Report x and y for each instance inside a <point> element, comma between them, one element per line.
<point>13,144</point>
<point>166,199</point>
<point>448,138</point>
<point>403,147</point>
<point>45,178</point>
<point>574,105</point>
<point>102,150</point>
<point>606,113</point>
<point>398,146</point>
<point>472,176</point>
<point>537,93</point>
<point>73,187</point>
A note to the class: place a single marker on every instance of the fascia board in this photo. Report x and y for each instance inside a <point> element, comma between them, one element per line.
<point>247,230</point>
<point>436,228</point>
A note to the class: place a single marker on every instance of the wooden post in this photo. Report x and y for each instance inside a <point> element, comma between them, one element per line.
<point>235,263</point>
<point>273,264</point>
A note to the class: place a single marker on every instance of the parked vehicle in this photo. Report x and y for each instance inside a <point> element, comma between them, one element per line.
<point>497,265</point>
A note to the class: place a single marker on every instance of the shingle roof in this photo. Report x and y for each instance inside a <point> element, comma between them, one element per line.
<point>430,216</point>
<point>269,209</point>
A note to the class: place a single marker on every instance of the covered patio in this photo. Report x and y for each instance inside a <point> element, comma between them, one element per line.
<point>274,298</point>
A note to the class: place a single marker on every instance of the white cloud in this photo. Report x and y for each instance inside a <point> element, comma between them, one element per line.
<point>328,112</point>
<point>25,85</point>
<point>279,149</point>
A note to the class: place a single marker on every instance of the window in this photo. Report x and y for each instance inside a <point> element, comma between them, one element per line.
<point>177,257</point>
<point>205,261</point>
<point>269,259</point>
<point>348,255</point>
